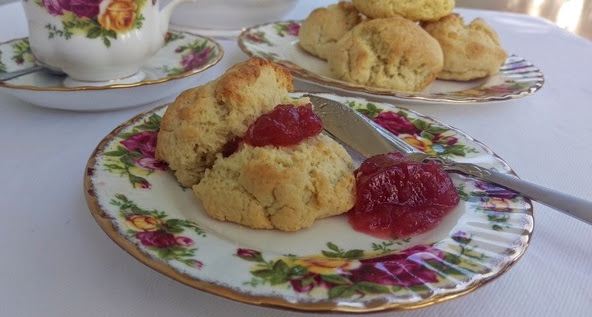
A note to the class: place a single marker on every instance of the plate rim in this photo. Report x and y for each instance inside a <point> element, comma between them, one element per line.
<point>109,227</point>
<point>201,69</point>
<point>316,79</point>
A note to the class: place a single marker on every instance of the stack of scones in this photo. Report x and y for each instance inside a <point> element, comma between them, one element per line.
<point>401,45</point>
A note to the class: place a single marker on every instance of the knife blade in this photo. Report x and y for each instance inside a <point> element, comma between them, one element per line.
<point>368,138</point>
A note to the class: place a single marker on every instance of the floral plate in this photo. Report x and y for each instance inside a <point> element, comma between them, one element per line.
<point>182,56</point>
<point>328,267</point>
<point>278,42</point>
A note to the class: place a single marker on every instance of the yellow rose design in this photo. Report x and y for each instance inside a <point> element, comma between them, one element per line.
<point>118,15</point>
<point>323,265</point>
<point>420,143</point>
<point>143,223</point>
<point>499,204</point>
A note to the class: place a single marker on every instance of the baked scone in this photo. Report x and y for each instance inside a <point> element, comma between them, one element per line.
<point>202,120</point>
<point>393,53</point>
<point>470,51</point>
<point>280,187</point>
<point>416,10</point>
<point>325,26</point>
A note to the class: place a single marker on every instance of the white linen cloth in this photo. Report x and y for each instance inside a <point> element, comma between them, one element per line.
<point>56,261</point>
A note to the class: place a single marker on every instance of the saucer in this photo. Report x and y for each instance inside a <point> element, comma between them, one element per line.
<point>168,72</point>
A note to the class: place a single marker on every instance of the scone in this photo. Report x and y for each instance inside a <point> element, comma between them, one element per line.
<point>470,51</point>
<point>325,26</point>
<point>280,187</point>
<point>198,124</point>
<point>416,10</point>
<point>393,53</point>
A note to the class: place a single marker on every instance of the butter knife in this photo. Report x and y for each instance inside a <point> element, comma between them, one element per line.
<point>368,138</point>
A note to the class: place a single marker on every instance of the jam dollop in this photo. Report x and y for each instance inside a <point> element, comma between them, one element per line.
<point>397,198</point>
<point>285,125</point>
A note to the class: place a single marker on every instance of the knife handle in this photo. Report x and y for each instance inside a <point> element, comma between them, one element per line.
<point>574,206</point>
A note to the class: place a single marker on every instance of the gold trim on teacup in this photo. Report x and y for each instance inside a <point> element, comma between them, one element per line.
<point>108,225</point>
<point>315,78</point>
<point>215,61</point>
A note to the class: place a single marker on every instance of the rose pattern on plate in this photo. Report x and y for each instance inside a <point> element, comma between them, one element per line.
<point>424,136</point>
<point>154,230</point>
<point>343,274</point>
<point>194,55</point>
<point>290,28</point>
<point>134,155</point>
<point>103,19</point>
<point>277,40</point>
<point>385,269</point>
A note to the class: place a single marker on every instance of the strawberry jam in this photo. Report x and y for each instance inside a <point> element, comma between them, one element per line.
<point>285,125</point>
<point>397,198</point>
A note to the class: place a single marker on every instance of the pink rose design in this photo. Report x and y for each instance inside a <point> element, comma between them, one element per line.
<point>144,143</point>
<point>56,7</point>
<point>249,255</point>
<point>151,163</point>
<point>395,123</point>
<point>403,269</point>
<point>184,241</point>
<point>293,29</point>
<point>159,239</point>
<point>192,61</point>
<point>85,8</point>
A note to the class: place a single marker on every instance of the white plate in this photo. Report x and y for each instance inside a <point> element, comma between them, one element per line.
<point>278,42</point>
<point>327,267</point>
<point>170,71</point>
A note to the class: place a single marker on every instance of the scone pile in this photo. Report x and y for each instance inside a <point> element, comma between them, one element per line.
<point>399,44</point>
<point>283,187</point>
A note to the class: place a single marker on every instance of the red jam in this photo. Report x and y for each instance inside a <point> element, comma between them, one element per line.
<point>397,198</point>
<point>285,125</point>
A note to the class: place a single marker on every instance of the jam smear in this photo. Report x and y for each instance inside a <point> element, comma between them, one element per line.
<point>397,198</point>
<point>285,125</point>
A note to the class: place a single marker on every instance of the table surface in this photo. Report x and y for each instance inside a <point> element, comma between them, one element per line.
<point>56,261</point>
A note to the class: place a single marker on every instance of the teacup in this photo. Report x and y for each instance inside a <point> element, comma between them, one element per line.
<point>97,40</point>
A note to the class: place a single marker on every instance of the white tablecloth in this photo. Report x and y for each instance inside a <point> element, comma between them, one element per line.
<point>56,261</point>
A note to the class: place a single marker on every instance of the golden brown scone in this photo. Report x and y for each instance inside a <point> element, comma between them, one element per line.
<point>287,188</point>
<point>202,120</point>
<point>393,53</point>
<point>416,10</point>
<point>325,26</point>
<point>470,51</point>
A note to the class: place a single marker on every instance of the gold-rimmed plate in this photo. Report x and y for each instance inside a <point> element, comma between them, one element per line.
<point>278,42</point>
<point>171,70</point>
<point>327,267</point>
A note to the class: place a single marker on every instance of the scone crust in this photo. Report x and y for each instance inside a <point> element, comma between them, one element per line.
<point>286,188</point>
<point>325,26</point>
<point>416,10</point>
<point>393,53</point>
<point>470,51</point>
<point>202,120</point>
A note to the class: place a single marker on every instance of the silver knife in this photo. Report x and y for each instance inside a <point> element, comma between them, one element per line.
<point>368,138</point>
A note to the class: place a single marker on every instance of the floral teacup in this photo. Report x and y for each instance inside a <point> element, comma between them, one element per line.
<point>97,40</point>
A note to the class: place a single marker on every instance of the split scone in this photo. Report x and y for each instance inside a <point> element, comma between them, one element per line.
<point>470,51</point>
<point>416,10</point>
<point>393,53</point>
<point>198,124</point>
<point>325,26</point>
<point>286,187</point>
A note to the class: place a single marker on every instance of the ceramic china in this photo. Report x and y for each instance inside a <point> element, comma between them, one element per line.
<point>97,40</point>
<point>278,42</point>
<point>328,267</point>
<point>182,56</point>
